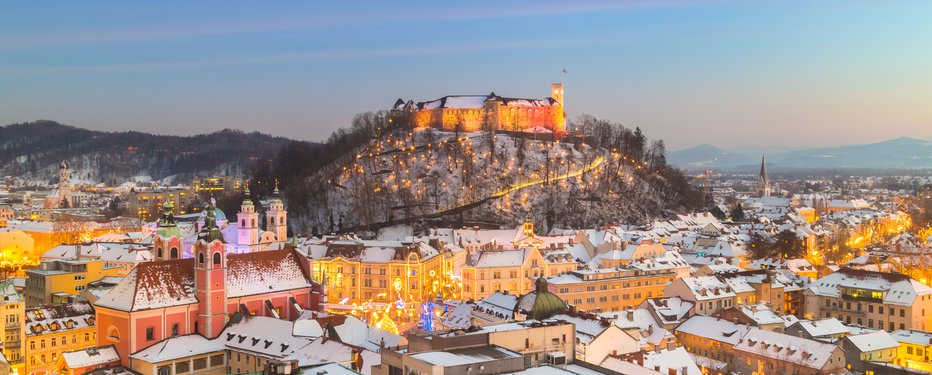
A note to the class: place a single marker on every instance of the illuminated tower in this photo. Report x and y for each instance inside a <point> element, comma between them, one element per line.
<point>276,217</point>
<point>556,92</point>
<point>248,229</point>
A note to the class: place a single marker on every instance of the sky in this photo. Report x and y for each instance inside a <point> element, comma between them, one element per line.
<point>737,74</point>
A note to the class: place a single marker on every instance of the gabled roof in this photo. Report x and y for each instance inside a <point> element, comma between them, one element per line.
<point>160,284</point>
<point>264,272</point>
<point>153,285</point>
<point>873,341</point>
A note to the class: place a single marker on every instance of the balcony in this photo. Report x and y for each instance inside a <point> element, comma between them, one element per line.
<point>12,344</point>
<point>862,298</point>
<point>13,326</point>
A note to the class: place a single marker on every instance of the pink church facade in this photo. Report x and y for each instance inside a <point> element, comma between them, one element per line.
<point>174,297</point>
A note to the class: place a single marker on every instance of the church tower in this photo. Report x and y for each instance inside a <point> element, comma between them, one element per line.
<point>763,181</point>
<point>210,269</point>
<point>248,227</point>
<point>167,241</point>
<point>276,218</point>
<point>64,185</point>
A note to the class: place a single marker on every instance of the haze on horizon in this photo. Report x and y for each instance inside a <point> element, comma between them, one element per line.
<point>728,73</point>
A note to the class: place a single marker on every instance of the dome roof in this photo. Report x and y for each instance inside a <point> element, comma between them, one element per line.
<point>541,303</point>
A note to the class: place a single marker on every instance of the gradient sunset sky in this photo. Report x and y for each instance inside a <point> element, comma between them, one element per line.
<point>737,74</point>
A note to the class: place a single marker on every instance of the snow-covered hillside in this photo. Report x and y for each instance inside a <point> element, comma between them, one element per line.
<point>482,178</point>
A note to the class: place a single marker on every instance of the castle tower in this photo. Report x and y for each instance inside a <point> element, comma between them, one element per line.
<point>556,92</point>
<point>276,217</point>
<point>210,278</point>
<point>167,241</point>
<point>763,181</point>
<point>248,229</point>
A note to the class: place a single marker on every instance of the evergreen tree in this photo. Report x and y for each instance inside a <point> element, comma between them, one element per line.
<point>718,213</point>
<point>737,213</point>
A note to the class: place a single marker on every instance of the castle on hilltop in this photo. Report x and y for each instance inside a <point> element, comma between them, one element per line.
<point>485,112</point>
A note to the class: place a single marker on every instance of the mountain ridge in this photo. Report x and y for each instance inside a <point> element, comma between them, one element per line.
<point>895,153</point>
<point>31,152</point>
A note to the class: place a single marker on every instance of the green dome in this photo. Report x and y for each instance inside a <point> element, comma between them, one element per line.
<point>541,303</point>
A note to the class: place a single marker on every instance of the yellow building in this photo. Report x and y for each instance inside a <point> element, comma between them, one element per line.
<point>914,350</point>
<point>147,204</point>
<point>16,249</point>
<point>616,289</point>
<point>513,270</point>
<point>64,277</point>
<point>384,271</point>
<point>11,311</point>
<point>52,330</point>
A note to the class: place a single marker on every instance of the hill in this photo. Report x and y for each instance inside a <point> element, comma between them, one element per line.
<point>31,152</point>
<point>899,153</point>
<point>488,178</point>
<point>707,156</point>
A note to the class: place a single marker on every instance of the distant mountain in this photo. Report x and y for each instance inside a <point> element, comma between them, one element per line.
<point>707,156</point>
<point>899,153</point>
<point>31,152</point>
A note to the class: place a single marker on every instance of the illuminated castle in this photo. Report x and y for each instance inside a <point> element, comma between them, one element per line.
<point>485,112</point>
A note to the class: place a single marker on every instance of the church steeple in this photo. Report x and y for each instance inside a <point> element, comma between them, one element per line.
<point>210,232</point>
<point>247,231</point>
<point>276,217</point>
<point>763,180</point>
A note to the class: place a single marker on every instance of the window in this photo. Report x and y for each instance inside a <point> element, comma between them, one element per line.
<point>216,259</point>
<point>182,367</point>
<point>200,364</point>
<point>175,330</point>
<point>150,334</point>
<point>216,360</point>
<point>200,258</point>
<point>902,313</point>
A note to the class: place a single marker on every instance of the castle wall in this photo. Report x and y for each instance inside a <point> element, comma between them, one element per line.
<point>493,116</point>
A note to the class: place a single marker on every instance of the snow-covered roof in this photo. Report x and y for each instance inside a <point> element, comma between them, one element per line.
<point>713,328</point>
<point>466,356</point>
<point>913,337</point>
<point>93,356</point>
<point>59,318</point>
<point>178,347</point>
<point>664,361</point>
<point>896,289</point>
<point>805,352</point>
<point>823,328</point>
<point>167,283</point>
<point>869,342</point>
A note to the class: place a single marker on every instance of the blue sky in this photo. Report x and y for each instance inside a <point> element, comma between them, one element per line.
<point>738,74</point>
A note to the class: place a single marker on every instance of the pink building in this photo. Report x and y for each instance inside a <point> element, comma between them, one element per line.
<point>173,297</point>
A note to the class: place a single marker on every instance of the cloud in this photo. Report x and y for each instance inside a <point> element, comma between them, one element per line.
<point>471,11</point>
<point>321,55</point>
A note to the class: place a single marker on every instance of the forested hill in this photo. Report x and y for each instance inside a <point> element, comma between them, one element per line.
<point>31,152</point>
<point>373,175</point>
